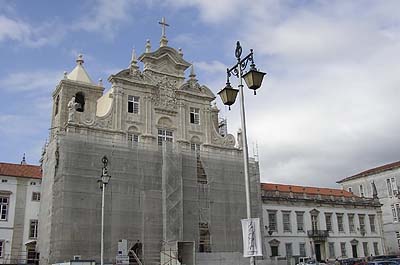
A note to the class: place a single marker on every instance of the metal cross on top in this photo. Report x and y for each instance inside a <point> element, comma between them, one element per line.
<point>163,25</point>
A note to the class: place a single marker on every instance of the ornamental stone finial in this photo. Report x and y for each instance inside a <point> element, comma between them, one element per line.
<point>65,75</point>
<point>180,52</point>
<point>100,82</point>
<point>80,60</point>
<point>192,74</point>
<point>148,46</point>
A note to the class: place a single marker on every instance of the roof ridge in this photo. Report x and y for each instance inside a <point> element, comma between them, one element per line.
<point>371,171</point>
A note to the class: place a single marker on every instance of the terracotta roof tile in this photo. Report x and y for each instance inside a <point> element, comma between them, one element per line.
<point>304,189</point>
<point>372,171</point>
<point>17,170</point>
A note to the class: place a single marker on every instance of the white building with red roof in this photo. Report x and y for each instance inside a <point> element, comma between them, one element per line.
<point>384,180</point>
<point>19,210</point>
<point>322,223</point>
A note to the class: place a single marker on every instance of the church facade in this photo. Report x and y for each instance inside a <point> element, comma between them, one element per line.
<point>177,184</point>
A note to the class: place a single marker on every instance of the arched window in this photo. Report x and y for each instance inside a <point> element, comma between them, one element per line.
<point>80,99</point>
<point>195,144</point>
<point>56,106</point>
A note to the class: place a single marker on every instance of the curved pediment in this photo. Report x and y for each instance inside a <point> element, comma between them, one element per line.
<point>165,60</point>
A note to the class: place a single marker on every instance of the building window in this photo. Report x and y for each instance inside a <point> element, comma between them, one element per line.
<point>376,248</point>
<point>350,190</point>
<point>195,147</point>
<point>36,196</point>
<point>272,221</point>
<point>361,219</point>
<point>391,186</point>
<point>32,256</point>
<point>4,201</point>
<point>398,211</point>
<point>331,250</point>
<point>398,239</point>
<point>1,248</point>
<point>365,249</point>
<point>328,221</point>
<point>343,249</point>
<point>286,221</point>
<point>133,104</point>
<point>300,221</point>
<point>394,213</point>
<point>372,223</point>
<point>133,139</point>
<point>33,229</point>
<point>195,115</point>
<point>164,136</point>
<point>340,222</point>
<point>289,251</point>
<point>351,223</point>
<point>314,222</point>
<point>274,251</point>
<point>56,105</point>
<point>4,180</point>
<point>302,249</point>
<point>361,189</point>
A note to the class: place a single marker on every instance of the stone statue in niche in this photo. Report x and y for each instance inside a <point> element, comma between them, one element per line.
<point>72,106</point>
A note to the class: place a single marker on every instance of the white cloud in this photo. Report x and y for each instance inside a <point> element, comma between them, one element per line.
<point>38,81</point>
<point>106,17</point>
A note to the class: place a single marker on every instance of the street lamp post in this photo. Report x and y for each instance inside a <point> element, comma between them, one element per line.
<point>253,79</point>
<point>103,181</point>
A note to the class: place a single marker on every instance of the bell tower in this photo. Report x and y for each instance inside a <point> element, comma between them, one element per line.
<point>74,97</point>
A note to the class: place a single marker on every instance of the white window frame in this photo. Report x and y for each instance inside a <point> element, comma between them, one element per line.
<point>331,250</point>
<point>36,196</point>
<point>133,104</point>
<point>389,187</point>
<point>194,116</point>
<point>133,138</point>
<point>302,249</point>
<point>339,216</point>
<point>195,147</point>
<point>4,207</point>
<point>371,218</point>
<point>376,248</point>
<point>289,249</point>
<point>165,135</point>
<point>272,222</point>
<point>365,249</point>
<point>328,221</point>
<point>343,249</point>
<point>361,222</point>
<point>352,227</point>
<point>300,221</point>
<point>33,228</point>
<point>394,213</point>
<point>287,225</point>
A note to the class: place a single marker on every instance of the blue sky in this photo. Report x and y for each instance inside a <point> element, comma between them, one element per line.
<point>328,108</point>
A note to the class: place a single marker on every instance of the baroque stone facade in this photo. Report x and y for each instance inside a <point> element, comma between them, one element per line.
<point>174,177</point>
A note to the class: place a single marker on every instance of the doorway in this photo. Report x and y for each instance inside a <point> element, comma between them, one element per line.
<point>318,252</point>
<point>354,250</point>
